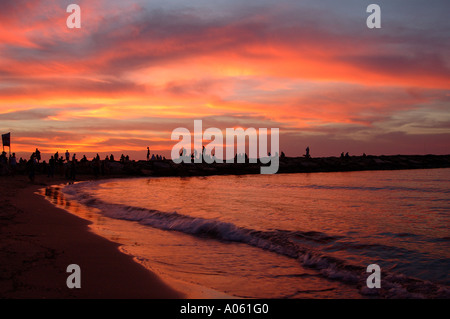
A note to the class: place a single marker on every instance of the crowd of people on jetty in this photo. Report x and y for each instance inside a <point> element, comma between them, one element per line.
<point>67,164</point>
<point>64,165</point>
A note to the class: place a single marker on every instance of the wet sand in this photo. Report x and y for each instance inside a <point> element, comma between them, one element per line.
<point>38,241</point>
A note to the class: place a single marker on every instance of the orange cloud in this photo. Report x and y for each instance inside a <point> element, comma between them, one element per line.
<point>130,68</point>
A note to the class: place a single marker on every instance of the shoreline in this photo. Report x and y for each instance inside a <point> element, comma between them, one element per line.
<point>39,241</point>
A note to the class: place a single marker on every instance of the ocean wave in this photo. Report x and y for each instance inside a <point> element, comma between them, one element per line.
<point>293,244</point>
<point>381,188</point>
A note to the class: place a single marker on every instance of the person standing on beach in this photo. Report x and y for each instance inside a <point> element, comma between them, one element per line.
<point>67,156</point>
<point>148,153</point>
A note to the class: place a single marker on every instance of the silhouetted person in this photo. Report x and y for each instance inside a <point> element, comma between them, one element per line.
<point>282,155</point>
<point>3,163</point>
<point>73,169</point>
<point>342,155</point>
<point>307,152</point>
<point>31,165</point>
<point>346,155</point>
<point>111,158</point>
<point>148,153</point>
<point>51,167</point>
<point>44,167</point>
<point>67,156</point>
<point>183,155</point>
<point>96,166</point>
<point>3,158</point>
<point>61,165</point>
<point>106,166</point>
<point>13,163</point>
<point>38,155</point>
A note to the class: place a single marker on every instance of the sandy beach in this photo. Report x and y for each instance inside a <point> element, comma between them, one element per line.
<point>38,242</point>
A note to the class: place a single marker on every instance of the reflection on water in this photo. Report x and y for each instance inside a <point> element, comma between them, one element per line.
<point>57,198</point>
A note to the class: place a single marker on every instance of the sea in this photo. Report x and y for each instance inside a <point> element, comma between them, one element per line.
<point>303,235</point>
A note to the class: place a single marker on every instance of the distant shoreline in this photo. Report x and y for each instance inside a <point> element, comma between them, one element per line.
<point>116,169</point>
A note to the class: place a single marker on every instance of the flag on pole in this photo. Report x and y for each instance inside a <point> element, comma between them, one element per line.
<point>6,139</point>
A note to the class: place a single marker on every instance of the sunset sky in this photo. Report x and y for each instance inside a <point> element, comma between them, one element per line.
<point>136,70</point>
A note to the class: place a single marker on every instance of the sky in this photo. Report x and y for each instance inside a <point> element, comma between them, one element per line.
<point>137,70</point>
